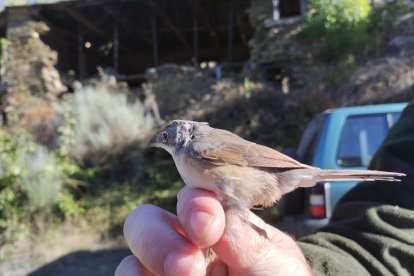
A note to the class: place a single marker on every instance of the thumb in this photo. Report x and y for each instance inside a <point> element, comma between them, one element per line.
<point>245,250</point>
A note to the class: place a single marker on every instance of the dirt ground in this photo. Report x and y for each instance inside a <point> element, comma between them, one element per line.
<point>74,250</point>
<point>68,251</point>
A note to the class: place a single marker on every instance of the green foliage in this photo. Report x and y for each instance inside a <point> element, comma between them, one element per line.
<point>106,123</point>
<point>338,14</point>
<point>13,215</point>
<point>41,179</point>
<point>41,188</point>
<point>346,27</point>
<point>14,203</point>
<point>67,129</point>
<point>341,72</point>
<point>107,132</point>
<point>161,174</point>
<point>31,179</point>
<point>9,171</point>
<point>106,210</point>
<point>384,16</point>
<point>327,16</point>
<point>68,206</point>
<point>342,25</point>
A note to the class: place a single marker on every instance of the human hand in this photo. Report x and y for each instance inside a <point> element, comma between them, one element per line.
<point>165,244</point>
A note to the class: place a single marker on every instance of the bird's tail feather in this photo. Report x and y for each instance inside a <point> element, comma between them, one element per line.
<point>358,175</point>
<point>308,177</point>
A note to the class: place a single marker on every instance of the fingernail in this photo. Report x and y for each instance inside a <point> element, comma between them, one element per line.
<point>199,222</point>
<point>179,264</point>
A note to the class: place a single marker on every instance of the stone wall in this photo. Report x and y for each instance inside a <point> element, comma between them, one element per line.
<point>29,77</point>
<point>29,64</point>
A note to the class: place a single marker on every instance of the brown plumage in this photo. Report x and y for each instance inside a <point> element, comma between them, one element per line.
<point>243,174</point>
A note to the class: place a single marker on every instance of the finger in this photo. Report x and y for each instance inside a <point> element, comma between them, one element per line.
<point>201,215</point>
<point>218,268</point>
<point>131,266</point>
<point>155,237</point>
<point>244,248</point>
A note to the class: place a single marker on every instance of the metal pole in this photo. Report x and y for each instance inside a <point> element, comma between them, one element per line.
<point>276,12</point>
<point>302,7</point>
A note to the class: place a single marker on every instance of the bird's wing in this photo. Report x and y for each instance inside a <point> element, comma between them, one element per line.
<point>225,148</point>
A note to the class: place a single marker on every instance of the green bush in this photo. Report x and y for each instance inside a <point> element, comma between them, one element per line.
<point>14,217</point>
<point>31,181</point>
<point>13,203</point>
<point>344,26</point>
<point>68,206</point>
<point>41,178</point>
<point>41,188</point>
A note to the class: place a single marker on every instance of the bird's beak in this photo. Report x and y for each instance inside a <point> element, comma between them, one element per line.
<point>154,142</point>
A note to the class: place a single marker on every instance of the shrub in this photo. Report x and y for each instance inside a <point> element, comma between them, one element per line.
<point>385,16</point>
<point>106,124</point>
<point>343,26</point>
<point>13,224</point>
<point>14,203</point>
<point>41,179</point>
<point>30,182</point>
<point>68,206</point>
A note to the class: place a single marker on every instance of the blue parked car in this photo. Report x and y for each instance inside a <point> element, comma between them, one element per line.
<point>342,138</point>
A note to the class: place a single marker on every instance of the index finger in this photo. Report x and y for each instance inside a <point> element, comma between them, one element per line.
<point>157,240</point>
<point>201,215</point>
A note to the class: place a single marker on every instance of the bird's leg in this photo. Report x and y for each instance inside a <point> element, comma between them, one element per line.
<point>208,255</point>
<point>236,208</point>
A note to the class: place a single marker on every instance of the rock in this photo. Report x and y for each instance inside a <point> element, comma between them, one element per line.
<point>402,46</point>
<point>380,81</point>
<point>29,64</point>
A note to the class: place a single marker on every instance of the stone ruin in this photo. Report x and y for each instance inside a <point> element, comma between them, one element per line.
<point>28,63</point>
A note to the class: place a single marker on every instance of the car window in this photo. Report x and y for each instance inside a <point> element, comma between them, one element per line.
<point>360,139</point>
<point>393,118</point>
<point>310,138</point>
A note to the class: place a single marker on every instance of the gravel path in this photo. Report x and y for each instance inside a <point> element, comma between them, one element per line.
<point>70,251</point>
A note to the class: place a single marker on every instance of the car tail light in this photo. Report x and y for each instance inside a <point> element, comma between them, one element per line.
<point>317,202</point>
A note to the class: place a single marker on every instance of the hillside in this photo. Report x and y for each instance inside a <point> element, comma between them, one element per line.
<point>72,166</point>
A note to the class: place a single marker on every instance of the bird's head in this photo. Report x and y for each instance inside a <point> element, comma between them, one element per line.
<point>175,135</point>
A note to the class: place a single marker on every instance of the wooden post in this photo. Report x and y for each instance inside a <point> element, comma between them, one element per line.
<point>230,33</point>
<point>195,37</point>
<point>154,39</point>
<point>169,23</point>
<point>116,42</point>
<point>81,54</point>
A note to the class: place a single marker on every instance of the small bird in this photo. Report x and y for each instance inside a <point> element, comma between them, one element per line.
<point>241,173</point>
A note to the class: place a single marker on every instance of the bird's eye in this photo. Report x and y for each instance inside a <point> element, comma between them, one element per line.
<point>164,137</point>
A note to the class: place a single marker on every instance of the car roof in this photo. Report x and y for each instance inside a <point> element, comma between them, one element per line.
<point>368,109</point>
